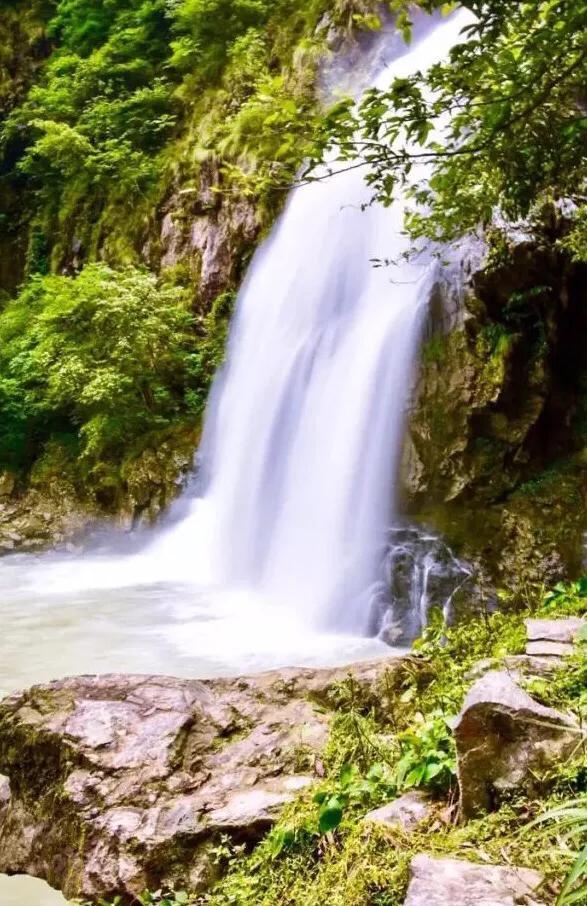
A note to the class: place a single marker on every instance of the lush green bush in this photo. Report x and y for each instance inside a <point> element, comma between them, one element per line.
<point>103,357</point>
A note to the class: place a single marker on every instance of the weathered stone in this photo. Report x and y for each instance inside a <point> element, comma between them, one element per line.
<point>455,882</point>
<point>471,468</point>
<point>122,783</point>
<point>526,665</point>
<point>549,649</point>
<point>405,813</point>
<point>505,741</point>
<point>554,630</point>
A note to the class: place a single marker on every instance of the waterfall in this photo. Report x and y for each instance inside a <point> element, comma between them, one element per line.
<point>285,553</point>
<point>305,423</point>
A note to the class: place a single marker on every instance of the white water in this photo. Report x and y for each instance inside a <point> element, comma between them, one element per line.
<point>277,561</point>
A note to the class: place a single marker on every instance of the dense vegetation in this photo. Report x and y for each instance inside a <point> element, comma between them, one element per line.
<point>107,353</point>
<point>501,124</point>
<point>108,109</point>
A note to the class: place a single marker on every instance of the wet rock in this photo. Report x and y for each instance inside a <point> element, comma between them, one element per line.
<point>505,741</point>
<point>563,631</point>
<point>421,572</point>
<point>44,516</point>
<point>455,882</point>
<point>150,772</point>
<point>405,813</point>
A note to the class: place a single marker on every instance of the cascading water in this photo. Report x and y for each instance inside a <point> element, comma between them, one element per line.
<point>301,446</point>
<point>305,426</point>
<point>281,557</point>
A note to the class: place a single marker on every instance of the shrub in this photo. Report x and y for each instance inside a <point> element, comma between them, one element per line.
<point>103,356</point>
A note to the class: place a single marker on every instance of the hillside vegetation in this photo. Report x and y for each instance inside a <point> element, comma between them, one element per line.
<point>109,110</point>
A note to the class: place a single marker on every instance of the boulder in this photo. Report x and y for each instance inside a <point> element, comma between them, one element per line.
<point>531,665</point>
<point>405,813</point>
<point>123,783</point>
<point>455,882</point>
<point>556,631</point>
<point>505,741</point>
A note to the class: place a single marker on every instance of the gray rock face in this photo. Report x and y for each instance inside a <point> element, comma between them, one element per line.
<point>548,649</point>
<point>122,783</point>
<point>505,740</point>
<point>532,665</point>
<point>406,813</point>
<point>557,631</point>
<point>453,882</point>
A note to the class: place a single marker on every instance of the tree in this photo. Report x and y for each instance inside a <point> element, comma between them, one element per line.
<point>103,357</point>
<point>513,95</point>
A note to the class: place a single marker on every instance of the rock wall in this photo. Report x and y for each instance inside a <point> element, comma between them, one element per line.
<point>494,457</point>
<point>52,511</point>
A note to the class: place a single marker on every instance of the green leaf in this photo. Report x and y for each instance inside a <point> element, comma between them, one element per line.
<point>577,872</point>
<point>330,815</point>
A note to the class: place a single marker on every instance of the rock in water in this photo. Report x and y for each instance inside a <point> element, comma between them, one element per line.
<point>505,740</point>
<point>454,882</point>
<point>122,783</point>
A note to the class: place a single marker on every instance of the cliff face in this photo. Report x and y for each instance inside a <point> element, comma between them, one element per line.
<point>495,455</point>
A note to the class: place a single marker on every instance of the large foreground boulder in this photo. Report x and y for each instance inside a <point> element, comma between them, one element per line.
<point>456,882</point>
<point>115,784</point>
<point>506,741</point>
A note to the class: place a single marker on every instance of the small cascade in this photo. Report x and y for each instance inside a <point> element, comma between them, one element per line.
<point>421,573</point>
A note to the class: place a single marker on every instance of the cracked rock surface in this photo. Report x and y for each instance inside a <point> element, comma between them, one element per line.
<point>456,882</point>
<point>505,741</point>
<point>114,784</point>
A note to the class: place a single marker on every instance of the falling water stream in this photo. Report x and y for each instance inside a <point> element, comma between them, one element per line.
<point>278,557</point>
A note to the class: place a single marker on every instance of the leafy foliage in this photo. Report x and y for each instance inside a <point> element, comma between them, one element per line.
<point>131,92</point>
<point>570,824</point>
<point>428,758</point>
<point>501,124</point>
<point>103,357</point>
<point>568,599</point>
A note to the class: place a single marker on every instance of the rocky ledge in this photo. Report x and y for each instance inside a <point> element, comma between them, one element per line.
<point>115,784</point>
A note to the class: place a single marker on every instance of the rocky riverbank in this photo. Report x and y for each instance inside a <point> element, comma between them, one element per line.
<point>117,784</point>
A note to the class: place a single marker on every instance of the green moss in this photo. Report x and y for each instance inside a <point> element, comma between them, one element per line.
<point>434,349</point>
